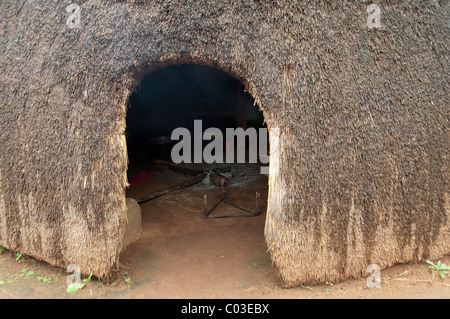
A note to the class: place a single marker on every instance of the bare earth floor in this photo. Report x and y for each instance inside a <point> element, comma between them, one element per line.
<point>183,255</point>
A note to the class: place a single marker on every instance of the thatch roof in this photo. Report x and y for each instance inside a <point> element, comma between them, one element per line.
<point>362,167</point>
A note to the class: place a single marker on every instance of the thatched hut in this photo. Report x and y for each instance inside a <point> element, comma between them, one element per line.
<point>358,120</point>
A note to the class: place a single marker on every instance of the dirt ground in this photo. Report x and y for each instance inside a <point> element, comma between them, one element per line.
<point>183,255</point>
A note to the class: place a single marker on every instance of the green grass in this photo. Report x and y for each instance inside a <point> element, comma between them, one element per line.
<point>440,268</point>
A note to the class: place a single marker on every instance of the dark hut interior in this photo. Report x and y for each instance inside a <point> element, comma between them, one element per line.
<point>174,97</point>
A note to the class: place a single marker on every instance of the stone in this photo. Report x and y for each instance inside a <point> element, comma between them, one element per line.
<point>133,229</point>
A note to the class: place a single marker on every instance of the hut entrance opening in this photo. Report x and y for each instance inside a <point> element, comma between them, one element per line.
<point>194,127</point>
<point>172,190</point>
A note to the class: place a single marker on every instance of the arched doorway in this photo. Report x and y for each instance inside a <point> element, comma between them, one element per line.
<point>199,117</point>
<point>178,242</point>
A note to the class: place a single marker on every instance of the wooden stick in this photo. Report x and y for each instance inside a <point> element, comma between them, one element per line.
<point>187,183</point>
<point>178,168</point>
<point>8,293</point>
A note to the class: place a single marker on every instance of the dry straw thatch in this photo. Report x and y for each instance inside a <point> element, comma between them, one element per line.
<point>359,173</point>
